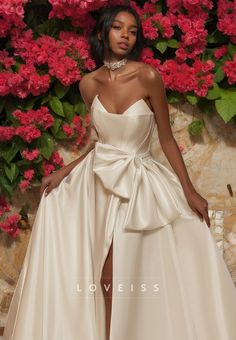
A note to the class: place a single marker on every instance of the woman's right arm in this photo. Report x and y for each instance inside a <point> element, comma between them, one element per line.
<point>53,180</point>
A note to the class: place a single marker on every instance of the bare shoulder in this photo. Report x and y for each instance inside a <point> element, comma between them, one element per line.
<point>151,81</point>
<point>149,74</point>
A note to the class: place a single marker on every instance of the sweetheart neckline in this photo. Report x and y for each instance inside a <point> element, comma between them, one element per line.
<point>123,113</point>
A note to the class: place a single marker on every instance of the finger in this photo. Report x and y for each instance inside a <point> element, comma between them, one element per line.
<point>42,188</point>
<point>206,218</point>
<point>198,214</point>
<point>47,191</point>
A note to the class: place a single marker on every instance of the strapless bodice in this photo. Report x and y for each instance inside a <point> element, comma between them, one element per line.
<point>131,131</point>
<point>123,162</point>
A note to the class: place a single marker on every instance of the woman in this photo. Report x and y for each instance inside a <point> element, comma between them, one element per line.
<point>137,233</point>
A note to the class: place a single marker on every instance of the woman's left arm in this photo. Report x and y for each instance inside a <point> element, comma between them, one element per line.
<point>158,100</point>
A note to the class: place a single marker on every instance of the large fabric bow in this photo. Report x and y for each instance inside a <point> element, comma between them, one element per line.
<point>127,175</point>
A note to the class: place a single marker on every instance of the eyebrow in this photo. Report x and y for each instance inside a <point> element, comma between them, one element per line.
<point>123,22</point>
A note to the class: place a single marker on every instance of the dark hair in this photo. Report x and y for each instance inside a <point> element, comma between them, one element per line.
<point>103,25</point>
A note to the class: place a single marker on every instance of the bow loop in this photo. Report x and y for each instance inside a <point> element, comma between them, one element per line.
<point>127,175</point>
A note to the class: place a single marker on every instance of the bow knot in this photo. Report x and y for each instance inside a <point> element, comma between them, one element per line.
<point>127,175</point>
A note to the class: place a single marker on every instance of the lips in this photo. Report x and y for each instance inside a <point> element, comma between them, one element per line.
<point>123,44</point>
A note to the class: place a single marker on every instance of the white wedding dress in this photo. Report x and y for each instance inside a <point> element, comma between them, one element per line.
<point>170,281</point>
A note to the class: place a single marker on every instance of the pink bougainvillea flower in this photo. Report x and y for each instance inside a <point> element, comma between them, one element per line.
<point>30,155</point>
<point>24,185</point>
<point>28,174</point>
<point>6,133</point>
<point>28,133</point>
<point>229,69</point>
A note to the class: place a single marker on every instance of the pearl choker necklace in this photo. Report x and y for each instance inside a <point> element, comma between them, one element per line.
<point>116,64</point>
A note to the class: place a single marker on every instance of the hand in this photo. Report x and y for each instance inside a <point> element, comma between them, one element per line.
<point>199,205</point>
<point>51,181</point>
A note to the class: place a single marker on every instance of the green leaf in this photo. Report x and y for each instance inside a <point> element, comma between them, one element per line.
<point>60,90</point>
<point>29,103</point>
<point>60,135</point>
<point>9,107</point>
<point>161,46</point>
<point>69,111</point>
<point>195,128</point>
<point>5,186</point>
<point>206,106</point>
<point>23,163</point>
<point>226,106</point>
<point>232,50</point>
<point>175,97</point>
<point>80,109</point>
<point>73,95</point>
<point>173,43</point>
<point>56,106</point>
<point>230,92</point>
<point>46,145</point>
<point>45,100</point>
<point>11,171</point>
<point>217,37</point>
<point>192,98</point>
<point>219,75</point>
<point>56,125</point>
<point>214,92</point>
<point>9,152</point>
<point>207,54</point>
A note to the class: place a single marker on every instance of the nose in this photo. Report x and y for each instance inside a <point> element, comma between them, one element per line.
<point>124,33</point>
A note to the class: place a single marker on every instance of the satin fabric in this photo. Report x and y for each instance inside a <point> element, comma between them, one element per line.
<point>169,278</point>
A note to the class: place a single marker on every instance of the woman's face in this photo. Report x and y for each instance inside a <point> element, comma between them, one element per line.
<point>123,34</point>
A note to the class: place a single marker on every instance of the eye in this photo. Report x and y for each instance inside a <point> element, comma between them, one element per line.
<point>116,26</point>
<point>134,32</point>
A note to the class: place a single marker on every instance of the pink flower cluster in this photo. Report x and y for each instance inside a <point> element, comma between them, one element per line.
<point>193,39</point>
<point>5,60</point>
<point>157,25</point>
<point>11,15</point>
<point>30,155</point>
<point>27,132</point>
<point>147,57</point>
<point>194,7</point>
<point>184,78</point>
<point>6,133</point>
<point>226,12</point>
<point>229,69</point>
<point>8,223</point>
<point>55,161</point>
<point>31,121</point>
<point>80,128</point>
<point>221,51</point>
<point>188,15</point>
<point>25,183</point>
<point>61,56</point>
<point>12,7</point>
<point>30,124</point>
<point>77,10</point>
<point>26,81</point>
<point>41,117</point>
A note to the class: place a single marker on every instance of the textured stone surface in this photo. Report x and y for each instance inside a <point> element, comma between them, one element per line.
<point>211,164</point>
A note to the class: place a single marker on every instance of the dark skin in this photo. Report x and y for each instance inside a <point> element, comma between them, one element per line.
<point>118,90</point>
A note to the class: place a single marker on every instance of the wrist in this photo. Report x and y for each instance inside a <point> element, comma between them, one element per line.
<point>64,171</point>
<point>189,190</point>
